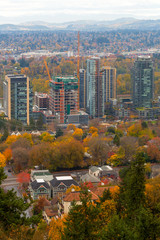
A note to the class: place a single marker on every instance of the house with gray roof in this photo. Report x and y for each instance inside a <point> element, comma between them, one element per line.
<point>39,188</point>
<point>60,184</point>
<point>90,178</point>
<point>95,171</point>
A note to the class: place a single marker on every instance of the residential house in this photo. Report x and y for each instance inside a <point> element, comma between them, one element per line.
<point>75,196</point>
<point>89,178</point>
<point>39,188</point>
<point>59,185</point>
<point>95,171</point>
<point>49,213</point>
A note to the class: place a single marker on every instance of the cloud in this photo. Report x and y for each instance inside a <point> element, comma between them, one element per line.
<point>70,9</point>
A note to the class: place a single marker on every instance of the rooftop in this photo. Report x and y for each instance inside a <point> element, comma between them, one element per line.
<point>40,180</point>
<point>64,178</point>
<point>75,196</point>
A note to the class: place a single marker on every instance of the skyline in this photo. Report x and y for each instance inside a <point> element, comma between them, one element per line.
<point>17,12</point>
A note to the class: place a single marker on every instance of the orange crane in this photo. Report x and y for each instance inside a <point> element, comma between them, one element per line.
<point>47,69</point>
<point>78,71</point>
<point>62,97</point>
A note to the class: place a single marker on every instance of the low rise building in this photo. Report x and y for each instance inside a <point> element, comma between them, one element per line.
<point>60,184</point>
<point>75,196</point>
<point>39,188</point>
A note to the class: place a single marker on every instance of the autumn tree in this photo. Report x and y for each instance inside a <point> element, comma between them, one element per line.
<point>78,133</point>
<point>42,231</point>
<point>39,205</point>
<point>23,178</point>
<point>2,160</point>
<point>153,149</point>
<point>8,154</point>
<point>20,157</point>
<point>98,149</point>
<point>56,228</point>
<point>46,137</point>
<point>130,145</point>
<point>67,154</point>
<point>21,143</point>
<point>41,155</point>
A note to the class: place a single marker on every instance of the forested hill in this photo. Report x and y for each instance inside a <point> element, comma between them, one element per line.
<point>122,23</point>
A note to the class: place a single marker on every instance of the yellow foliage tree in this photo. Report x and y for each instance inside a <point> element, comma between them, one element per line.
<point>71,127</point>
<point>46,137</point>
<point>93,130</point>
<point>28,137</point>
<point>115,192</point>
<point>135,130</point>
<point>108,208</point>
<point>78,133</point>
<point>56,229</point>
<point>11,139</point>
<point>73,188</point>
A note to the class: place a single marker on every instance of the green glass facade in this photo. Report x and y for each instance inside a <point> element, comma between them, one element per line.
<point>18,98</point>
<point>143,82</point>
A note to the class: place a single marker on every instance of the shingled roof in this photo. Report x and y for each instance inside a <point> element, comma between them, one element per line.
<point>66,180</point>
<point>37,183</point>
<point>75,196</point>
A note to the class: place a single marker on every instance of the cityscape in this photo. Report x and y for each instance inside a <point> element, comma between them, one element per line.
<point>79,123</point>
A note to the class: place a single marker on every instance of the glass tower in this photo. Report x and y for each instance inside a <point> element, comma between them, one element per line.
<point>143,84</point>
<point>18,98</point>
<point>94,88</point>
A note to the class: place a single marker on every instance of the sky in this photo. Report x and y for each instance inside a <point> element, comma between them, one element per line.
<point>19,11</point>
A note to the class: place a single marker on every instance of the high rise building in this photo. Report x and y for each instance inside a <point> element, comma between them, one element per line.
<point>109,83</point>
<point>82,88</point>
<point>94,88</point>
<point>143,82</point>
<point>64,96</point>
<point>18,98</point>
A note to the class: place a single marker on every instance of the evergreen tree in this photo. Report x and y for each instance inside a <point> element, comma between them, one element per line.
<point>40,123</point>
<point>12,208</point>
<point>132,195</point>
<point>118,229</point>
<point>106,196</point>
<point>81,222</point>
<point>59,133</point>
<point>5,135</point>
<point>116,140</point>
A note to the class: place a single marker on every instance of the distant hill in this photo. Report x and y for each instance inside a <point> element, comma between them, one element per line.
<point>84,25</point>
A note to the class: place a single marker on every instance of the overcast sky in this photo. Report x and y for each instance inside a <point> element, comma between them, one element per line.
<point>17,11</point>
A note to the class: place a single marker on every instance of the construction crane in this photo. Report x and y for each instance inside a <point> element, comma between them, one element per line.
<point>62,95</point>
<point>47,68</point>
<point>78,70</point>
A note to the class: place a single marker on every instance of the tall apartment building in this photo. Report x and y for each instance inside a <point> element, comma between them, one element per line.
<point>64,96</point>
<point>109,83</point>
<point>18,98</point>
<point>95,103</point>
<point>82,88</point>
<point>143,82</point>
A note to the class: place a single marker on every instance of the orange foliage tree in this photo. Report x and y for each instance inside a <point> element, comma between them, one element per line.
<point>2,160</point>
<point>56,228</point>
<point>8,154</point>
<point>153,149</point>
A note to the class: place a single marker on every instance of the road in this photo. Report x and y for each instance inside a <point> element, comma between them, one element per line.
<point>11,183</point>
